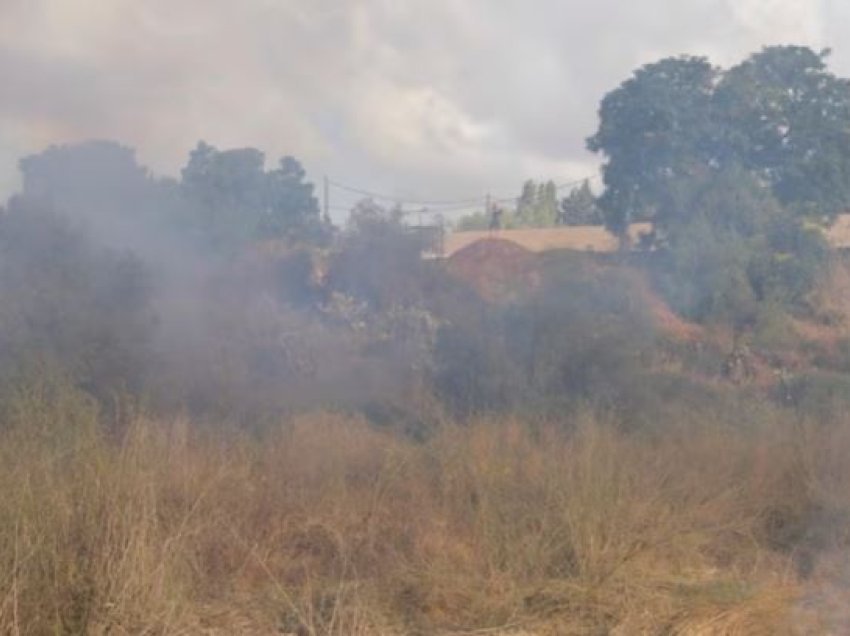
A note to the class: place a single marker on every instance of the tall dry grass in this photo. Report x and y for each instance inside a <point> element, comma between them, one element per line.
<point>327,526</point>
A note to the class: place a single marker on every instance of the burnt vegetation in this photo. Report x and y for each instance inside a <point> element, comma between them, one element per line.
<point>322,431</point>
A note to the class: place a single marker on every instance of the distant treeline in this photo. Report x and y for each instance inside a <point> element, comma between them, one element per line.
<point>226,293</point>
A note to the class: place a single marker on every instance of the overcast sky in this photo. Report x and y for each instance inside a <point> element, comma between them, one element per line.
<point>430,98</point>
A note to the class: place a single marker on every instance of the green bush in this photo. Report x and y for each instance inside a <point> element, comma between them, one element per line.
<point>725,247</point>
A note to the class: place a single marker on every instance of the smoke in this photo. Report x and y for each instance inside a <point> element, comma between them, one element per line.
<point>341,85</point>
<point>247,328</point>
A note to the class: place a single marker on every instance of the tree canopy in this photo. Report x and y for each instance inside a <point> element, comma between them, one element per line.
<point>780,115</point>
<point>537,205</point>
<point>69,303</point>
<point>791,126</point>
<point>731,167</point>
<point>235,198</point>
<point>580,207</point>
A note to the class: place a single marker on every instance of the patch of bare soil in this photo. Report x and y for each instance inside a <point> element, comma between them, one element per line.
<point>497,269</point>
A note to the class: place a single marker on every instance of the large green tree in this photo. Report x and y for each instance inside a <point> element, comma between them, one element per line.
<point>790,121</point>
<point>781,115</point>
<point>731,247</point>
<point>731,167</point>
<point>537,205</point>
<point>236,200</point>
<point>580,207</point>
<point>656,128</point>
<point>70,304</point>
<point>101,184</point>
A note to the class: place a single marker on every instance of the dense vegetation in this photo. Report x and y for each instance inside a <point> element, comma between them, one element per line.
<point>220,412</point>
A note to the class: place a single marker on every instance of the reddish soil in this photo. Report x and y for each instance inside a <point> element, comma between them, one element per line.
<point>668,322</point>
<point>497,269</point>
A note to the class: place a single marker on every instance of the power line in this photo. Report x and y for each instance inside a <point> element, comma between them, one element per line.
<point>412,210</point>
<point>410,200</point>
<point>562,186</point>
<point>444,205</point>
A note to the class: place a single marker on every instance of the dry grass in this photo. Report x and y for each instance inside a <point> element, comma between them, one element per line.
<point>838,234</point>
<point>591,238</point>
<point>327,526</point>
<point>594,238</point>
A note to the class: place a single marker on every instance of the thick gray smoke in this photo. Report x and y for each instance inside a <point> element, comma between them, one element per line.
<point>253,313</point>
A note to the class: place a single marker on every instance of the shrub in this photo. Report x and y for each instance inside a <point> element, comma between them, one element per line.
<point>63,300</point>
<point>583,336</point>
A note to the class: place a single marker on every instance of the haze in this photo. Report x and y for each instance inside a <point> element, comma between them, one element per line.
<point>447,97</point>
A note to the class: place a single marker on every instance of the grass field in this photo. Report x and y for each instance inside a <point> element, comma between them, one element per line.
<point>499,526</point>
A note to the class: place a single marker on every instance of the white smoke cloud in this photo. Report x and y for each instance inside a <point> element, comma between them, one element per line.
<point>779,21</point>
<point>437,98</point>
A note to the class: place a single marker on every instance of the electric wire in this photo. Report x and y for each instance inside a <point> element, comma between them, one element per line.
<point>439,206</point>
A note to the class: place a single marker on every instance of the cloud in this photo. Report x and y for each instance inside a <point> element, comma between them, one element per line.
<point>437,98</point>
<point>777,21</point>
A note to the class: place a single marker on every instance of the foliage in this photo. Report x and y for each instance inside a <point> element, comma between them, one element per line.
<point>476,221</point>
<point>537,205</point>
<point>580,207</point>
<point>236,200</point>
<point>224,199</point>
<point>655,129</point>
<point>780,115</point>
<point>91,174</point>
<point>723,163</point>
<point>473,369</point>
<point>100,185</point>
<point>566,526</point>
<point>67,302</point>
<point>790,119</point>
<point>378,259</point>
<point>583,336</point>
<point>726,246</point>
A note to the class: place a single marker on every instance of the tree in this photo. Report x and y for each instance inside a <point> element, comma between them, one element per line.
<point>579,207</point>
<point>727,245</point>
<point>227,186</point>
<point>66,302</point>
<point>792,126</point>
<point>729,166</point>
<point>780,115</point>
<point>379,260</point>
<point>367,212</point>
<point>81,176</point>
<point>656,128</point>
<point>101,184</point>
<point>526,203</point>
<point>476,221</point>
<point>537,205</point>
<point>547,205</point>
<point>235,200</point>
<point>291,209</point>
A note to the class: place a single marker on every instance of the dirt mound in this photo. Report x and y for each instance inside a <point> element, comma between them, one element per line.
<point>497,269</point>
